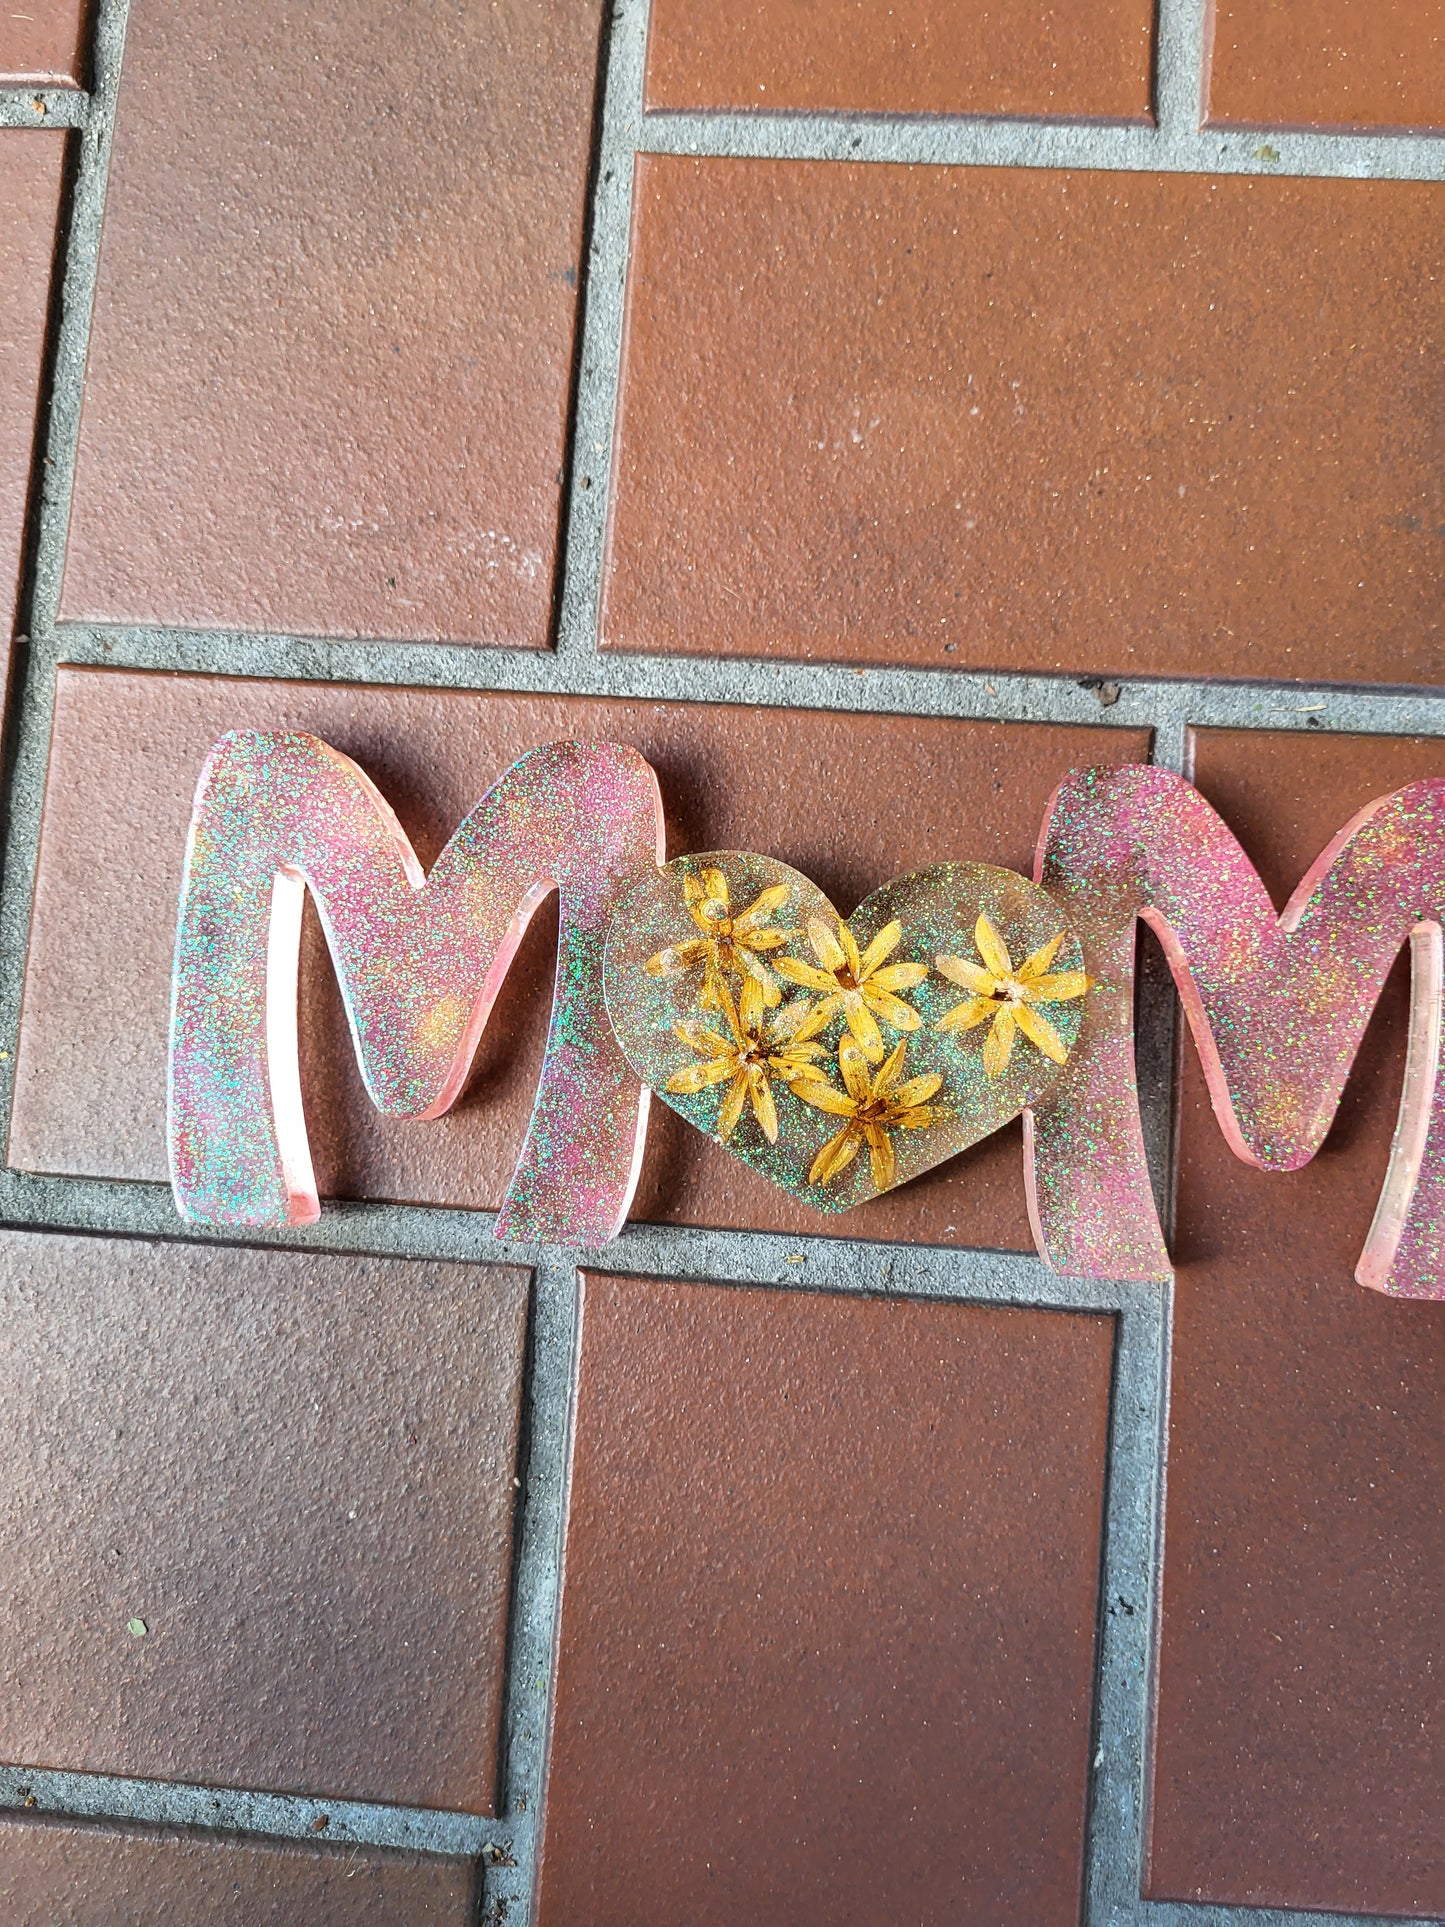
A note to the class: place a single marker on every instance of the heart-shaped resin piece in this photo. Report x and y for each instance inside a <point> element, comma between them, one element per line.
<point>841,1058</point>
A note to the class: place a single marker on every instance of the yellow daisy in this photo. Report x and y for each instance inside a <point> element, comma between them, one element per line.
<point>1009,996</point>
<point>756,1051</point>
<point>728,944</point>
<point>860,984</point>
<point>873,1103</point>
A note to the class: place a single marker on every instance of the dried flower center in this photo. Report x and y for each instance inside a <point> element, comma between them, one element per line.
<point>1008,990</point>
<point>846,979</point>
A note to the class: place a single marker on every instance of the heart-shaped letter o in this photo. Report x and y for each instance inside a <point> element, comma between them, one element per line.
<point>841,1059</point>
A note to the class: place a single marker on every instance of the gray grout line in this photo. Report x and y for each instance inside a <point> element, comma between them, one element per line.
<point>43,107</point>
<point>83,247</point>
<point>1180,27</point>
<point>600,359</point>
<point>1086,147</point>
<point>1194,1913</point>
<point>511,1882</point>
<point>719,1255</point>
<point>1060,696</point>
<point>33,694</point>
<point>1118,1777</point>
<point>103,1796</point>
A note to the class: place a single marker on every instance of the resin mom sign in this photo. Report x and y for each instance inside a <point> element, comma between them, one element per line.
<point>838,1055</point>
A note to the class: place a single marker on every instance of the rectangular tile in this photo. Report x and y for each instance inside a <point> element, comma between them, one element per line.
<point>1336,64</point>
<point>64,1873</point>
<point>30,175</point>
<point>1018,419</point>
<point>828,1610</point>
<point>43,43</point>
<point>257,1524</point>
<point>1297,1759</point>
<point>850,800</point>
<point>350,237</point>
<point>1002,57</point>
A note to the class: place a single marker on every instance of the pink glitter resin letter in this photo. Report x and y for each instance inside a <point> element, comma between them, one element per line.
<point>420,961</point>
<point>1277,1006</point>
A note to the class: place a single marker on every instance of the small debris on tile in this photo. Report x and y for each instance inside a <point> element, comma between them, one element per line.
<point>1108,693</point>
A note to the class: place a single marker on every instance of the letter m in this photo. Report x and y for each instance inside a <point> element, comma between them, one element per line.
<point>420,960</point>
<point>1277,1006</point>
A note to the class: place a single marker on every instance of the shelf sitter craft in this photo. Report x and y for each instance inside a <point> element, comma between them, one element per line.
<point>840,1056</point>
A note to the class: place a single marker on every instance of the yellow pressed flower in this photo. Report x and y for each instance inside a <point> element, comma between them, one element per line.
<point>873,1103</point>
<point>756,1051</point>
<point>1008,996</point>
<point>860,984</point>
<point>728,944</point>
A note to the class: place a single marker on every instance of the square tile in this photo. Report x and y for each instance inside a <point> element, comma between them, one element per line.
<point>257,1527</point>
<point>350,237</point>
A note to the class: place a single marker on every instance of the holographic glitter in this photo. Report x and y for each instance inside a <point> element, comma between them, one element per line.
<point>420,960</point>
<point>937,911</point>
<point>1277,1007</point>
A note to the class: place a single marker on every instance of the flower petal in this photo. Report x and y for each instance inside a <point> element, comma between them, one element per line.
<point>850,951</point>
<point>891,1009</point>
<point>998,1045</point>
<point>1058,989</point>
<point>1038,963</point>
<point>751,1005</point>
<point>836,1155</point>
<point>732,1105</point>
<point>967,975</point>
<point>795,1062</point>
<point>698,1037</point>
<point>760,939</point>
<point>696,1077</point>
<point>826,946</point>
<point>764,1109</point>
<point>799,1021</point>
<point>677,957</point>
<point>880,1156</point>
<point>991,947</point>
<point>1037,1028</point>
<point>802,973</point>
<point>863,1025</point>
<point>825,1097</point>
<point>917,1117</point>
<point>853,1064</point>
<point>887,1073</point>
<point>883,945</point>
<point>761,906</point>
<point>692,890</point>
<point>715,888</point>
<point>917,1090</point>
<point>722,1000</point>
<point>967,1016</point>
<point>897,976</point>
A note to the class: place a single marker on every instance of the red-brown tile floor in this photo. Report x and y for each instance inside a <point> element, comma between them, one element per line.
<point>869,414</point>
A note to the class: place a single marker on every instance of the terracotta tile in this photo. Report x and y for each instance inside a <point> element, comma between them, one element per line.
<point>125,755</point>
<point>60,1873</point>
<point>947,57</point>
<point>43,44</point>
<point>1339,64</point>
<point>350,237</point>
<point>295,1472</point>
<point>30,171</point>
<point>1018,419</point>
<point>1298,1760</point>
<point>831,1572</point>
